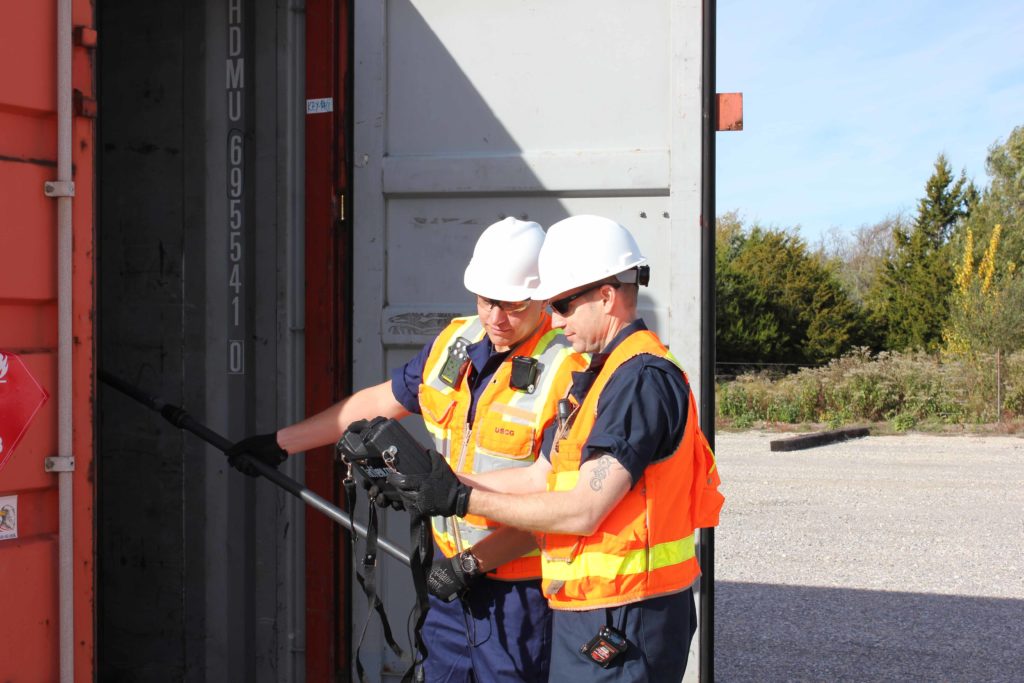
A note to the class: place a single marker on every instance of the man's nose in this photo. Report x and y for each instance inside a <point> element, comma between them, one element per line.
<point>494,314</point>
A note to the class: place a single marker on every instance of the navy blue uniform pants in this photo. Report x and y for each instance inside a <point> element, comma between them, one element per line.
<point>659,631</point>
<point>500,631</point>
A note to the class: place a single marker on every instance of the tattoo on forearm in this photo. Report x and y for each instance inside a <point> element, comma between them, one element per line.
<point>604,463</point>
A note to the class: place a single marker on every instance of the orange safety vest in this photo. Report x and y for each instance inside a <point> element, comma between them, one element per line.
<point>645,546</point>
<point>507,428</point>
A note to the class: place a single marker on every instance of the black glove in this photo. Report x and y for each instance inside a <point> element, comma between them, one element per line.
<point>438,492</point>
<point>262,447</point>
<point>447,579</point>
<point>383,495</point>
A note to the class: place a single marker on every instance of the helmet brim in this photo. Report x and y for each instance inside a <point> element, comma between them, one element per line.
<point>479,283</point>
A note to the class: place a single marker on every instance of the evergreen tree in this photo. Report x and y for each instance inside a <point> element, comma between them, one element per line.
<point>747,330</point>
<point>909,304</point>
<point>778,302</point>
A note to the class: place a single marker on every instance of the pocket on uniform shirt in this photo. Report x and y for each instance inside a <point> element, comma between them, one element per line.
<point>437,406</point>
<point>504,434</point>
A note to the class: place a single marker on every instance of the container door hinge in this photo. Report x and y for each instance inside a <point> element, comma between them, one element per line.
<point>729,111</point>
<point>86,37</point>
<point>83,105</point>
<point>59,188</point>
<point>59,463</point>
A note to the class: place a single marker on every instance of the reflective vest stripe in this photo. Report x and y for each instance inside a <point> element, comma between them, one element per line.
<point>507,427</point>
<point>470,329</point>
<point>485,462</point>
<point>645,545</point>
<point>525,416</point>
<point>610,566</point>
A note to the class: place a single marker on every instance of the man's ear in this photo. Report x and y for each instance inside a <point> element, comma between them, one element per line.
<point>608,296</point>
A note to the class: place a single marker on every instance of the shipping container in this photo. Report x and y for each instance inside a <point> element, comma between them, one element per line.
<point>250,210</point>
<point>47,484</point>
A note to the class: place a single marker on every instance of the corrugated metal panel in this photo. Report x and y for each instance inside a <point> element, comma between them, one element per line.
<point>28,326</point>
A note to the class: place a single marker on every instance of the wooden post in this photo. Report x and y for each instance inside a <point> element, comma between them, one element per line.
<point>999,385</point>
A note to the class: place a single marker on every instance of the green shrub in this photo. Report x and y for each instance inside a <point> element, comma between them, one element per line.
<point>905,389</point>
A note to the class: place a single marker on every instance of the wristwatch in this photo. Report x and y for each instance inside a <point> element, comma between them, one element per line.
<point>469,562</point>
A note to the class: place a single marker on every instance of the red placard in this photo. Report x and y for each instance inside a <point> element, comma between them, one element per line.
<point>21,397</point>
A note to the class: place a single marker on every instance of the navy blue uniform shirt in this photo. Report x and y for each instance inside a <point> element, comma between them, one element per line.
<point>484,362</point>
<point>641,415</point>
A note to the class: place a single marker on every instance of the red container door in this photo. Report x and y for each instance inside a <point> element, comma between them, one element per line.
<point>328,323</point>
<point>29,601</point>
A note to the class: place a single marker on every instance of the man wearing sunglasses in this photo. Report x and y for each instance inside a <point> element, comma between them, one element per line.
<point>486,388</point>
<point>626,479</point>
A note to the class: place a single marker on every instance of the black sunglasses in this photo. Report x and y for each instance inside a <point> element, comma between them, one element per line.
<point>561,306</point>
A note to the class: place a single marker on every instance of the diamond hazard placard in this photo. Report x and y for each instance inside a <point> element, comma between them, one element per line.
<point>21,397</point>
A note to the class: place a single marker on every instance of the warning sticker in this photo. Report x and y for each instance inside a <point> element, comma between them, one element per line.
<point>8,517</point>
<point>21,397</point>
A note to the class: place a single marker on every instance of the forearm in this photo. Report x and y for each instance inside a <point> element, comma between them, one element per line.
<point>601,484</point>
<point>555,511</point>
<point>326,427</point>
<point>516,480</point>
<point>502,545</point>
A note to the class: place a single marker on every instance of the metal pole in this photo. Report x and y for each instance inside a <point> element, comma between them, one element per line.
<point>706,550</point>
<point>65,245</point>
<point>178,417</point>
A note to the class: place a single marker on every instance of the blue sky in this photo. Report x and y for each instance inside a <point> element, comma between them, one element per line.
<point>847,104</point>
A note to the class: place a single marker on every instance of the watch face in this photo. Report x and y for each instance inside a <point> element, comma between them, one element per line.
<point>469,563</point>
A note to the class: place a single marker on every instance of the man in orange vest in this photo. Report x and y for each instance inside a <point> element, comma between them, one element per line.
<point>627,479</point>
<point>486,388</point>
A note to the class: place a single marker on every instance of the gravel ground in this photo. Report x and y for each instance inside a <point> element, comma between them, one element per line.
<point>889,558</point>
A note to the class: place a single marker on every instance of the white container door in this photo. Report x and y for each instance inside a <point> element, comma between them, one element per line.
<point>467,112</point>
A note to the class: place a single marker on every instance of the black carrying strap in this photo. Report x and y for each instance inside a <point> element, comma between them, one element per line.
<point>420,559</point>
<point>622,618</point>
<point>368,579</point>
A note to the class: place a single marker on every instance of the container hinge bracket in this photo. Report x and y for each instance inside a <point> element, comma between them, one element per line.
<point>59,188</point>
<point>59,463</point>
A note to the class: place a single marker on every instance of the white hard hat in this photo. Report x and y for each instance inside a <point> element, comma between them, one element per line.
<point>584,249</point>
<point>504,263</point>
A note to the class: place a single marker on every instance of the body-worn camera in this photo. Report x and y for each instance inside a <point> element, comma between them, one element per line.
<point>524,374</point>
<point>373,447</point>
<point>605,647</point>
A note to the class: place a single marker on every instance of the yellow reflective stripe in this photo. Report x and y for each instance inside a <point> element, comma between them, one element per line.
<point>551,351</point>
<point>566,481</point>
<point>470,535</point>
<point>544,342</point>
<point>517,397</point>
<point>609,566</point>
<point>551,373</point>
<point>436,431</point>
<point>675,361</point>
